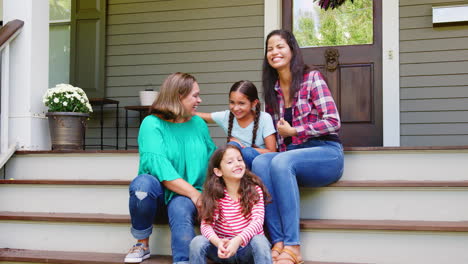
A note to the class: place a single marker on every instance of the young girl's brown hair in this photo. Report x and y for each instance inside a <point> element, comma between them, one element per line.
<point>248,89</point>
<point>213,189</point>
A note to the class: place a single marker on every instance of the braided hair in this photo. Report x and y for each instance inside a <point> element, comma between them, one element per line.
<point>248,89</point>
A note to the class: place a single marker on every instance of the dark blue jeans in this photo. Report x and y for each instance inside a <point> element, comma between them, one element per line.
<point>312,164</point>
<point>147,201</point>
<point>257,251</point>
<point>248,154</point>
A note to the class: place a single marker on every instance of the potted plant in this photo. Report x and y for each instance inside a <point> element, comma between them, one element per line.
<point>69,109</point>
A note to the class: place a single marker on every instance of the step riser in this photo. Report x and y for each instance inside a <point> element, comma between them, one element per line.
<point>429,204</point>
<point>406,165</point>
<point>64,199</point>
<point>74,166</point>
<point>79,237</point>
<point>426,204</point>
<point>371,165</point>
<point>385,247</point>
<point>322,245</point>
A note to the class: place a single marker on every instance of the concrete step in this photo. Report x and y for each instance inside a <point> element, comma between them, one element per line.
<point>361,164</point>
<point>76,165</point>
<point>376,200</point>
<point>357,241</point>
<point>76,196</point>
<point>63,257</point>
<point>365,200</point>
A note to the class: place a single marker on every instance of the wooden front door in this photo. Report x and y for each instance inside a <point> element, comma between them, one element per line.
<point>354,75</point>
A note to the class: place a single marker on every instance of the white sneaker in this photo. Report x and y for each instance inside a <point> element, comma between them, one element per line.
<point>137,253</point>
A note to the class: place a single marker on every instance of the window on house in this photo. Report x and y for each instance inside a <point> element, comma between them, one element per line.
<point>59,41</point>
<point>350,24</point>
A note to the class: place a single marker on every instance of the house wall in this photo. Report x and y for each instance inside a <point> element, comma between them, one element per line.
<point>433,78</point>
<point>219,42</point>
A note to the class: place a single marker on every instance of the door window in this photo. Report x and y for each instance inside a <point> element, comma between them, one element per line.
<point>349,24</point>
<point>59,41</point>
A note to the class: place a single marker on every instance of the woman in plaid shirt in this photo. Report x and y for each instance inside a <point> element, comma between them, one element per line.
<point>311,153</point>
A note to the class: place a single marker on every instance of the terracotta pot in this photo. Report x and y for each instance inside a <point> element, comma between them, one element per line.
<point>67,130</point>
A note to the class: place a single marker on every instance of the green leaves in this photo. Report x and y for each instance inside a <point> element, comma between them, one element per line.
<point>351,24</point>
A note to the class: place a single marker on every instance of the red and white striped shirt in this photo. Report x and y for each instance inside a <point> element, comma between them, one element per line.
<point>228,220</point>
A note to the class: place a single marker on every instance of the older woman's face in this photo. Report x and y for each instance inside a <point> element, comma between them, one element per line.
<point>191,101</point>
<point>278,53</point>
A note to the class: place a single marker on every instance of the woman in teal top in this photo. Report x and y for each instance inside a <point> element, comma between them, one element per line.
<point>174,147</point>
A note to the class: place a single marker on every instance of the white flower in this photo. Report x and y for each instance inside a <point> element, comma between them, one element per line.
<point>71,96</point>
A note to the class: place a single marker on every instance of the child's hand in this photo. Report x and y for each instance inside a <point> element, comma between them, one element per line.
<point>233,245</point>
<point>222,251</point>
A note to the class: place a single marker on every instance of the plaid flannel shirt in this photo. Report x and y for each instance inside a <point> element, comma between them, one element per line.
<point>314,110</point>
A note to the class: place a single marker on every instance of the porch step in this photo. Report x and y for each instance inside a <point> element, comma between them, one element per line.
<point>365,200</point>
<point>65,257</point>
<point>358,241</point>
<point>82,165</point>
<point>361,164</point>
<point>343,224</point>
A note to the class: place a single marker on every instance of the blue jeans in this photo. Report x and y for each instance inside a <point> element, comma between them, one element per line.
<point>147,201</point>
<point>248,153</point>
<point>312,164</point>
<point>257,251</point>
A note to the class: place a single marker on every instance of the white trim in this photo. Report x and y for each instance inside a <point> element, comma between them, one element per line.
<point>6,155</point>
<point>391,73</point>
<point>390,63</point>
<point>60,22</point>
<point>5,98</point>
<point>272,16</point>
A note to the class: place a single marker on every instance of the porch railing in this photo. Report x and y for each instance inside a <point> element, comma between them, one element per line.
<point>7,34</point>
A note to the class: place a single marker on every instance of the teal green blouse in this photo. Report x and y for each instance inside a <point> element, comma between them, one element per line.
<point>170,151</point>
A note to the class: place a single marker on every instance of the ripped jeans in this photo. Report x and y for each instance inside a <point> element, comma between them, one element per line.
<point>147,201</point>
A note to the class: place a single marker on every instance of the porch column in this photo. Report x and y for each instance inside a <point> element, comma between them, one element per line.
<point>29,71</point>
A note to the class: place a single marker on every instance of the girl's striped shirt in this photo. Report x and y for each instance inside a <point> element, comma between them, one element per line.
<point>228,220</point>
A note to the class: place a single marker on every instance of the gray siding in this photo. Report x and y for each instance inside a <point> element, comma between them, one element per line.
<point>433,78</point>
<point>219,42</point>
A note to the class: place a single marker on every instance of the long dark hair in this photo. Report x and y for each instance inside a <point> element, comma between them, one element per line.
<point>248,89</point>
<point>213,188</point>
<point>270,75</point>
<point>175,87</point>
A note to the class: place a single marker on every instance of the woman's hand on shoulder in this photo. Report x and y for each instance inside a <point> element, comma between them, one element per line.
<point>285,129</point>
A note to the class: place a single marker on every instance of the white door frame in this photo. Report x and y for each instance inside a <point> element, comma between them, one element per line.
<point>390,63</point>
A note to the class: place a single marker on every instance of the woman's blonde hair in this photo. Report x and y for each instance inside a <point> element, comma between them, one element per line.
<point>175,87</point>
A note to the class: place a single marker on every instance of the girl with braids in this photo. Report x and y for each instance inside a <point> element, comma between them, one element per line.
<point>232,212</point>
<point>248,128</point>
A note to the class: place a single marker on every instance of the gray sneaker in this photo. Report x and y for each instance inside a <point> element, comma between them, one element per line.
<point>137,254</point>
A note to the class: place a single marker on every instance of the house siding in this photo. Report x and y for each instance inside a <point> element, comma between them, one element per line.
<point>219,42</point>
<point>433,78</point>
